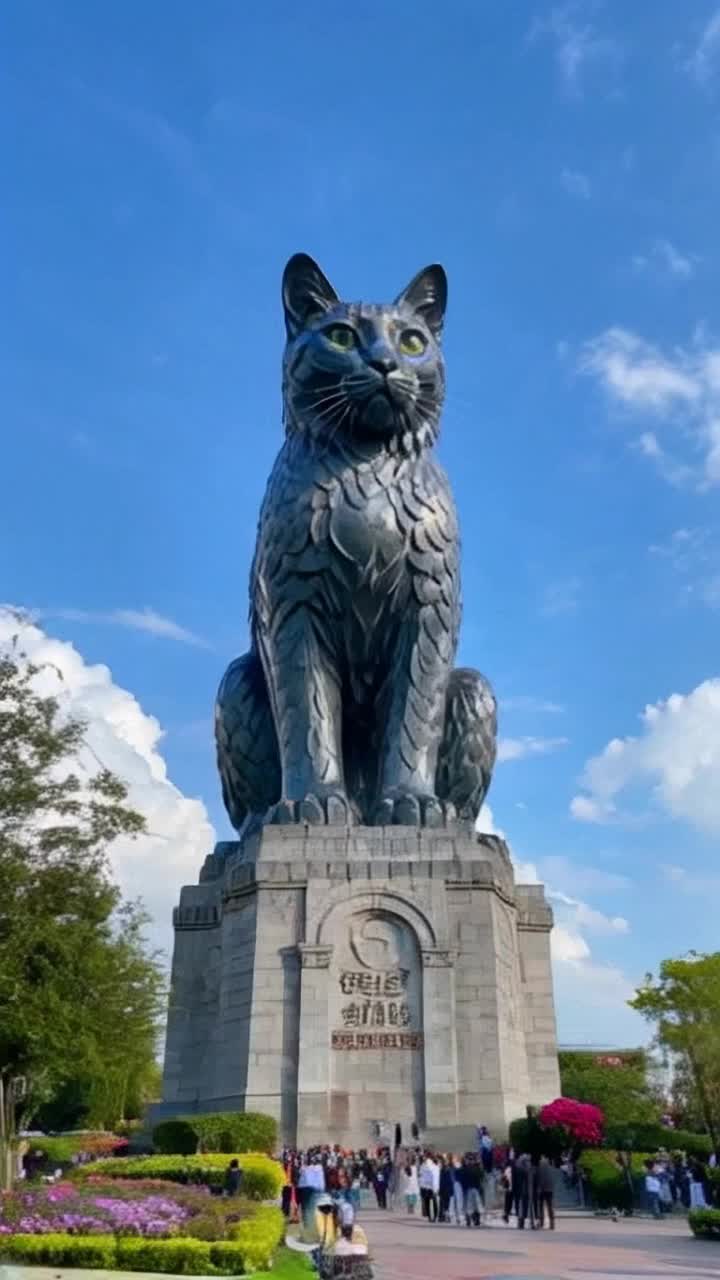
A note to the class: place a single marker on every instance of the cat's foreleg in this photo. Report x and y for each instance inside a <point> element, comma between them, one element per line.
<point>413,723</point>
<point>304,689</point>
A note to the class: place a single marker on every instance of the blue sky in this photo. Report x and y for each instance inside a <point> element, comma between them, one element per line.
<point>563,162</point>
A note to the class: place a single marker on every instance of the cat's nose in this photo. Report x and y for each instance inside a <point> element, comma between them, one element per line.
<point>384,364</point>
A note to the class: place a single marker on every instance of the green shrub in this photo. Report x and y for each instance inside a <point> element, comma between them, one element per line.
<point>58,1152</point>
<point>605,1177</point>
<point>175,1138</point>
<point>705,1223</point>
<point>262,1177</point>
<point>229,1132</point>
<point>252,1247</point>
<point>179,1256</point>
<point>258,1237</point>
<point>527,1134</point>
<point>59,1250</point>
<point>650,1137</point>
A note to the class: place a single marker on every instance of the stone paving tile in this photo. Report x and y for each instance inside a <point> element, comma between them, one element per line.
<point>586,1249</point>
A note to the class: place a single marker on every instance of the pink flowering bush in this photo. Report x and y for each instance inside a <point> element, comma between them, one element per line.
<point>581,1121</point>
<point>95,1210</point>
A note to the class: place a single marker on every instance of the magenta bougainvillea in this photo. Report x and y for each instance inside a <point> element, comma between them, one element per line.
<point>581,1120</point>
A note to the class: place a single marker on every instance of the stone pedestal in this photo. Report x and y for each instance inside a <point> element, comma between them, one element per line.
<point>342,980</point>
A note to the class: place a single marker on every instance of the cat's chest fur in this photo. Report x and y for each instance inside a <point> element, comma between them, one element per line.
<point>368,525</point>
<point>370,530</point>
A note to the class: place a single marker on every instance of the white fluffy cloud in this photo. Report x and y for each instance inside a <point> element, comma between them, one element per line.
<point>664,259</point>
<point>590,996</point>
<point>521,748</point>
<point>578,44</point>
<point>577,878</point>
<point>676,758</point>
<point>126,740</point>
<point>678,389</point>
<point>147,620</point>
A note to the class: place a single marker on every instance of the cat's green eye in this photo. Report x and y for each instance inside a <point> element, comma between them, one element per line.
<point>341,336</point>
<point>411,342</point>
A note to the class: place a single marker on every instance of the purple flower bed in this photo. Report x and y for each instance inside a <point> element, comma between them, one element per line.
<point>80,1211</point>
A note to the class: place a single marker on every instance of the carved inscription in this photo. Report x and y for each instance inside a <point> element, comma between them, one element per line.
<point>379,1001</point>
<point>377,1040</point>
<point>391,983</point>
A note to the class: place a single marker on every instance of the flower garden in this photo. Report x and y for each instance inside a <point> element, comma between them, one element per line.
<point>154,1213</point>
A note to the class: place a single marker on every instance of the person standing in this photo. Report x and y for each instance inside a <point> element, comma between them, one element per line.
<point>233,1178</point>
<point>429,1185</point>
<point>287,1189</point>
<point>380,1186</point>
<point>652,1189</point>
<point>409,1186</point>
<point>506,1179</point>
<point>698,1179</point>
<point>316,1184</point>
<point>474,1179</point>
<point>545,1186</point>
<point>521,1188</point>
<point>487,1149</point>
<point>447,1188</point>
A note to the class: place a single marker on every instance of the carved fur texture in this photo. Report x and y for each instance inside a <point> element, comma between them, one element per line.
<point>347,707</point>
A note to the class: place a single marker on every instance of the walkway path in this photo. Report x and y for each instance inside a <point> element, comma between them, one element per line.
<point>580,1249</point>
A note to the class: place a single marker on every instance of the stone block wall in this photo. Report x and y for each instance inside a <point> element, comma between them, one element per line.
<point>343,979</point>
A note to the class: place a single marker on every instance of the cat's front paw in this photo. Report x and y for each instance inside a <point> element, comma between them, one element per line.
<point>401,808</point>
<point>331,808</point>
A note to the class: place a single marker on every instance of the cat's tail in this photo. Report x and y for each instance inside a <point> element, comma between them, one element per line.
<point>247,750</point>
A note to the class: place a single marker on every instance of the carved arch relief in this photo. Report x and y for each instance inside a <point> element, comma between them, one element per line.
<point>383,905</point>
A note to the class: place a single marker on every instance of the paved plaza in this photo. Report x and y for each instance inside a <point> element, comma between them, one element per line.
<point>582,1248</point>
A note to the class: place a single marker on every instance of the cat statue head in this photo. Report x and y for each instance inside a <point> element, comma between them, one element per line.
<point>363,374</point>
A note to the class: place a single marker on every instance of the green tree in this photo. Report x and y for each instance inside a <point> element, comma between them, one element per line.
<point>80,994</point>
<point>683,1004</point>
<point>616,1083</point>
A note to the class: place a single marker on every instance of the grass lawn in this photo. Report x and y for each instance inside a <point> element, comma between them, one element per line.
<point>290,1265</point>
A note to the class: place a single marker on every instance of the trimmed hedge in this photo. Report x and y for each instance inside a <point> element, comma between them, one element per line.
<point>650,1137</point>
<point>705,1223</point>
<point>60,1150</point>
<point>262,1177</point>
<point>59,1250</point>
<point>229,1132</point>
<point>175,1138</point>
<point>251,1249</point>
<point>605,1177</point>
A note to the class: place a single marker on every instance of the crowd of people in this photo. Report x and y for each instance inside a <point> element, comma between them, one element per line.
<point>674,1180</point>
<point>463,1189</point>
<point>441,1188</point>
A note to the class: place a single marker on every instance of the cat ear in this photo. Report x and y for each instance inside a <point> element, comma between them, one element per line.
<point>305,292</point>
<point>427,295</point>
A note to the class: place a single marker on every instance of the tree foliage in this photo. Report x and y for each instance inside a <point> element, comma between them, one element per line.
<point>617,1083</point>
<point>683,1004</point>
<point>80,994</point>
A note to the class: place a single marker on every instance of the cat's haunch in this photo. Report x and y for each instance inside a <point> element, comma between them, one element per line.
<point>347,707</point>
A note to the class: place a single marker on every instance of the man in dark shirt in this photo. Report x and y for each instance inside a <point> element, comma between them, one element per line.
<point>233,1178</point>
<point>521,1188</point>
